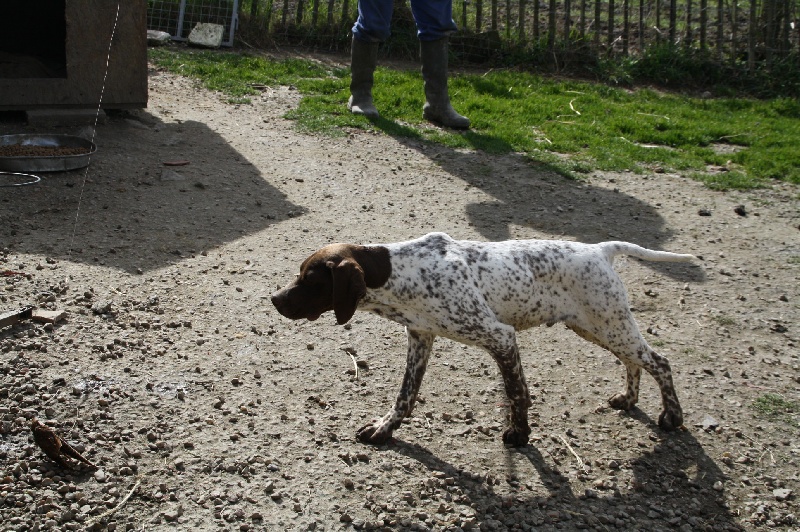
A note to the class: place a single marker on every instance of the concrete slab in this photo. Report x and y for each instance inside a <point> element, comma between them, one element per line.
<point>64,117</point>
<point>207,35</point>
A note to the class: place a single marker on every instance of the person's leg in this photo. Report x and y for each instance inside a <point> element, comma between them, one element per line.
<point>371,28</point>
<point>374,20</point>
<point>434,19</point>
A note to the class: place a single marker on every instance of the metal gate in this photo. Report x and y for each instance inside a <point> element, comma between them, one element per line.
<point>178,17</point>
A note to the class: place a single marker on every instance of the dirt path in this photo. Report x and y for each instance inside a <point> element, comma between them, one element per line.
<point>175,375</point>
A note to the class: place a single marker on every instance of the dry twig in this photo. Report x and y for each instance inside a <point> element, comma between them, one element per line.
<point>578,458</point>
<point>114,510</point>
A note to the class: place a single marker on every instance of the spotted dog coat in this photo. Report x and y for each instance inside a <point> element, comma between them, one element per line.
<point>480,293</point>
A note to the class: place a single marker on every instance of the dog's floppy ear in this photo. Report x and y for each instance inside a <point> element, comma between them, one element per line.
<point>348,288</point>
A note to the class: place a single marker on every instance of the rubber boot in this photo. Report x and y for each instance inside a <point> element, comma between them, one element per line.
<point>434,72</point>
<point>363,60</point>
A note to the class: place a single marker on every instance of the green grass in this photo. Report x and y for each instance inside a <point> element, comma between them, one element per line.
<point>596,126</point>
<point>775,406</point>
<point>725,321</point>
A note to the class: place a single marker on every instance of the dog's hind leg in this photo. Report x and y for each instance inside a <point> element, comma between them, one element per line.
<point>627,343</point>
<point>627,399</point>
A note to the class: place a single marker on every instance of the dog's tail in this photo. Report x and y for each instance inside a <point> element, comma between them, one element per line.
<point>612,249</point>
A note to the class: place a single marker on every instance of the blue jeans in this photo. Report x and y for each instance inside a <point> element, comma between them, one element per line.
<point>434,19</point>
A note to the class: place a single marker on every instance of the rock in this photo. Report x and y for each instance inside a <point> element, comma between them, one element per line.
<point>782,494</point>
<point>171,175</point>
<point>206,35</point>
<point>48,316</point>
<point>708,424</point>
<point>158,38</point>
<point>173,513</point>
<point>102,307</point>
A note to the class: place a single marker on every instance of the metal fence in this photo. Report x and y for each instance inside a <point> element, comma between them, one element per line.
<point>751,31</point>
<point>179,17</point>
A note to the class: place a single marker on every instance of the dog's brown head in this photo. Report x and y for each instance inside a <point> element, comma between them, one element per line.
<point>334,278</point>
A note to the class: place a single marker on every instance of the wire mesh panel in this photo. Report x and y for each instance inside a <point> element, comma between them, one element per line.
<point>179,17</point>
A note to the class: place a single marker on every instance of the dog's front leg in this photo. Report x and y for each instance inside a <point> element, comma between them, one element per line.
<point>419,350</point>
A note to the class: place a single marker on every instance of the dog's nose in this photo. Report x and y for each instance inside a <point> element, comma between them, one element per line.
<point>277,299</point>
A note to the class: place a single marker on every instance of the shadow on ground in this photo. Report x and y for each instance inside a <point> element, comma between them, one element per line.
<point>133,212</point>
<point>672,483</point>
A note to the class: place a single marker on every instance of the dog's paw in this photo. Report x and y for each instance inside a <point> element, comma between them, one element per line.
<point>516,437</point>
<point>374,434</point>
<point>670,420</point>
<point>621,401</point>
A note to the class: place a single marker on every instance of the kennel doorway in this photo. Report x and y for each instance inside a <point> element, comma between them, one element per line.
<point>53,54</point>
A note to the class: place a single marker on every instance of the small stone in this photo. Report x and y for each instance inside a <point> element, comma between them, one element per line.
<point>782,494</point>
<point>174,513</point>
<point>709,423</point>
<point>158,38</point>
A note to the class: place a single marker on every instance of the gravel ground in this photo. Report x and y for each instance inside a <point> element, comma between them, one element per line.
<point>204,409</point>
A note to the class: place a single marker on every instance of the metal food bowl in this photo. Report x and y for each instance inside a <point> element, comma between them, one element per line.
<point>46,163</point>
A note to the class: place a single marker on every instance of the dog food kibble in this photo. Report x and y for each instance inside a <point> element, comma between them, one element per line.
<point>19,150</point>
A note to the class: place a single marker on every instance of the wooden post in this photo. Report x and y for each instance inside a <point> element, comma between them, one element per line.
<point>787,28</point>
<point>536,20</point>
<point>689,36</point>
<point>734,27</point>
<point>610,25</point>
<point>285,14</point>
<point>551,27</point>
<point>641,26</point>
<point>583,20</point>
<point>330,12</point>
<point>345,13</point>
<point>626,27</point>
<point>751,37</point>
<point>494,15</point>
<point>658,21</point>
<point>314,13</point>
<point>508,19</point>
<point>478,15</point>
<point>567,21</point>
<point>521,20</point>
<point>769,44</point>
<point>673,21</point>
<point>268,14</point>
<point>720,24</point>
<point>703,24</point>
<point>597,12</point>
